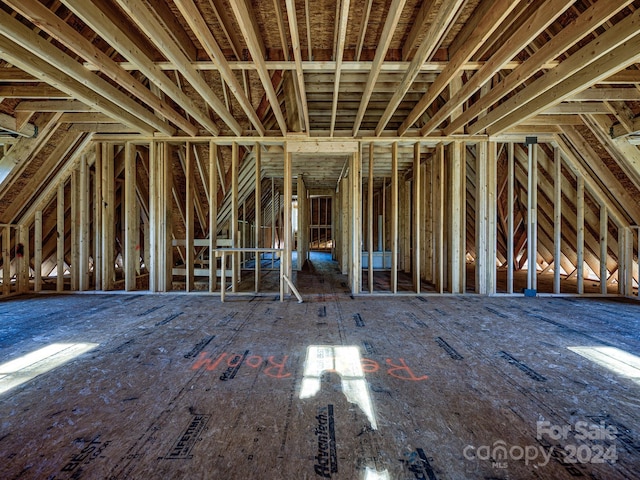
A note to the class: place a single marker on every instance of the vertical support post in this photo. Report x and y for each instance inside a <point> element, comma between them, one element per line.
<point>417,216</point>
<point>273,221</point>
<point>394,217</point>
<point>6,260</point>
<point>233,227</point>
<point>75,223</point>
<point>344,226</point>
<point>37,258</point>
<point>355,175</point>
<point>108,217</point>
<point>287,230</point>
<point>580,233</point>
<point>532,221</point>
<point>604,236</point>
<point>510,225</point>
<point>303,224</point>
<point>97,218</point>
<point>492,213</point>
<point>486,221</point>
<point>481,217</point>
<point>370,220</point>
<point>189,219</point>
<point>130,242</point>
<point>258,212</point>
<point>457,194</point>
<point>441,207</point>
<point>213,215</point>
<point>557,219</point>
<point>166,228</point>
<point>23,262</point>
<point>625,260</point>
<point>60,238</point>
<point>83,234</point>
<point>428,202</point>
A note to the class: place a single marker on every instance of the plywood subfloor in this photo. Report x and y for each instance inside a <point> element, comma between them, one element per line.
<point>183,386</point>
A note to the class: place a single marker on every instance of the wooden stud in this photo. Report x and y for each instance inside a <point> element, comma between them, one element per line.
<point>441,206</point>
<point>580,233</point>
<point>394,217</point>
<point>75,214</point>
<point>370,220</point>
<point>557,219</point>
<point>532,217</point>
<point>258,213</point>
<point>37,260</point>
<point>417,216</point>
<point>604,234</point>
<point>60,238</point>
<point>213,216</point>
<point>6,260</point>
<point>233,226</point>
<point>457,206</point>
<point>129,251</point>
<point>83,227</point>
<point>481,217</point>
<point>287,230</point>
<point>355,174</point>
<point>97,217</point>
<point>510,223</point>
<point>189,219</point>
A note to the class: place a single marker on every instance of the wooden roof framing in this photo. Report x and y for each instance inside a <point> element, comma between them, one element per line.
<point>409,70</point>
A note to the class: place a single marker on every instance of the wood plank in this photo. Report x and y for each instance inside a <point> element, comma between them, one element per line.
<point>370,219</point>
<point>510,223</point>
<point>83,226</point>
<point>97,216</point>
<point>37,254</point>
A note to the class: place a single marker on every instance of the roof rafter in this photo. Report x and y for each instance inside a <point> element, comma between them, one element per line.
<point>166,44</point>
<point>342,32</point>
<point>243,16</point>
<point>45,19</point>
<point>200,28</point>
<point>437,30</point>
<point>610,52</point>
<point>34,54</point>
<point>390,24</point>
<point>491,15</point>
<point>118,39</point>
<point>594,16</point>
<point>297,55</point>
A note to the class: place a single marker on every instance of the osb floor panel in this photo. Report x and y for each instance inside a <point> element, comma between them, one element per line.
<point>183,386</point>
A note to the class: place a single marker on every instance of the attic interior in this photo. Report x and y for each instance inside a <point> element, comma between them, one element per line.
<point>449,189</point>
